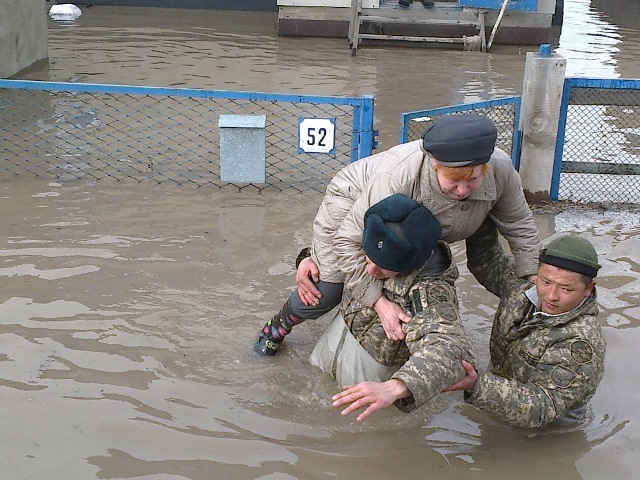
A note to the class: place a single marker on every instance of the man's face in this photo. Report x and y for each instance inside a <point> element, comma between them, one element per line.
<point>380,273</point>
<point>560,290</point>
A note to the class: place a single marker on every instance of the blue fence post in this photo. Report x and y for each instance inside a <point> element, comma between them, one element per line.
<point>404,128</point>
<point>545,50</point>
<point>356,132</point>
<point>516,138</point>
<point>363,141</point>
<point>554,189</point>
<point>367,141</point>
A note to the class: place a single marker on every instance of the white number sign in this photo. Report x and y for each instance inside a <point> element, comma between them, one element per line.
<point>316,135</point>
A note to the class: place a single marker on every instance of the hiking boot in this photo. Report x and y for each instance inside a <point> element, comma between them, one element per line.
<point>405,3</point>
<point>427,4</point>
<point>266,346</point>
<point>273,333</point>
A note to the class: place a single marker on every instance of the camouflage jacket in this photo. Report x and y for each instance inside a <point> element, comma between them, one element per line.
<point>429,358</point>
<point>542,366</point>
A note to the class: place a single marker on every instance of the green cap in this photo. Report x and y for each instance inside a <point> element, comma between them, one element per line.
<point>572,253</point>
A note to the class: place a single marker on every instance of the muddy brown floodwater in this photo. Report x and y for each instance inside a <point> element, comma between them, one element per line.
<point>128,311</point>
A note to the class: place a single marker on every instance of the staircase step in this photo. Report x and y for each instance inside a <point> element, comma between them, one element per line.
<point>412,21</point>
<point>370,36</point>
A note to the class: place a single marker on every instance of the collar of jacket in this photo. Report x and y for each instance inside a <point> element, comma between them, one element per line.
<point>432,196</point>
<point>401,284</point>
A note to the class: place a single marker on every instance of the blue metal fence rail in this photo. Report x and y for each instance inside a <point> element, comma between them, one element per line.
<point>597,157</point>
<point>167,134</point>
<point>505,112</point>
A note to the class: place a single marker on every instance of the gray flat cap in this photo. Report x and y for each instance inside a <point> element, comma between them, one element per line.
<point>461,140</point>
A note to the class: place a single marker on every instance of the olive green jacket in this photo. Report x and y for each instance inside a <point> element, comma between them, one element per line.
<point>430,357</point>
<point>542,366</point>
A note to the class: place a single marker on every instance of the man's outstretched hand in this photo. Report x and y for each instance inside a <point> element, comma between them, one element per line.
<point>371,396</point>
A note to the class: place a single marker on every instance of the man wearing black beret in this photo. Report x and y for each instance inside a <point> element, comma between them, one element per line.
<point>400,241</point>
<point>547,347</point>
<point>455,170</point>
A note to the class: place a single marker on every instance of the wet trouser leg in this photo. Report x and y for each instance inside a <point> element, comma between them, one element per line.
<point>294,312</point>
<point>331,296</point>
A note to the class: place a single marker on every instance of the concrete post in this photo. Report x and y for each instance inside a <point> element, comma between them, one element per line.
<point>23,35</point>
<point>544,75</point>
<point>242,148</point>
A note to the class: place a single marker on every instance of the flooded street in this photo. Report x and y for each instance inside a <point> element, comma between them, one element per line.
<point>128,311</point>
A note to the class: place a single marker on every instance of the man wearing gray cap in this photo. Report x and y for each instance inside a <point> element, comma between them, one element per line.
<point>547,347</point>
<point>455,170</point>
<point>400,241</point>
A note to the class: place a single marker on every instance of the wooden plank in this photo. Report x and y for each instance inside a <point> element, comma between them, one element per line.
<point>411,39</point>
<point>326,3</point>
<point>495,25</point>
<point>417,21</point>
<point>354,22</point>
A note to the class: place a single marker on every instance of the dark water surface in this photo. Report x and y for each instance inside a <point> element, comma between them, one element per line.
<point>127,311</point>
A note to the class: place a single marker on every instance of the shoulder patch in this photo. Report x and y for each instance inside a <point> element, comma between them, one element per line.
<point>562,376</point>
<point>581,351</point>
<point>441,293</point>
<point>446,311</point>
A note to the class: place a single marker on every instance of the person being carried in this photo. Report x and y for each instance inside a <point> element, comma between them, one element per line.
<point>454,169</point>
<point>547,347</point>
<point>400,241</point>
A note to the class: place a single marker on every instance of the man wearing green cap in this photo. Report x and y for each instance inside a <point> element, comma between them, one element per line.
<point>400,242</point>
<point>547,346</point>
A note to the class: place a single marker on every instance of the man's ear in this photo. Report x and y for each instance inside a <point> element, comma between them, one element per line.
<point>589,289</point>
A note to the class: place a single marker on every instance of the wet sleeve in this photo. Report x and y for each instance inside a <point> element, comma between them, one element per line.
<point>514,219</point>
<point>437,343</point>
<point>489,263</point>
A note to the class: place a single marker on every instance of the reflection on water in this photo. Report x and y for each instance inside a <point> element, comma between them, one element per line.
<point>127,312</point>
<point>589,40</point>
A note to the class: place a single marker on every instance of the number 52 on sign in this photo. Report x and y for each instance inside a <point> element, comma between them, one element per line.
<point>316,135</point>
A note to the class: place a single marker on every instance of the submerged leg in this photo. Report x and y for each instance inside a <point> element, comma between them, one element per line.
<point>274,331</point>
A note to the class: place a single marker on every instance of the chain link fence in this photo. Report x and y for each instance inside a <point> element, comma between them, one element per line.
<point>598,148</point>
<point>72,131</point>
<point>505,112</point>
<point>124,133</point>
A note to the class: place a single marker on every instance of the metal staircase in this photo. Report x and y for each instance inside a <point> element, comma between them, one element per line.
<point>441,15</point>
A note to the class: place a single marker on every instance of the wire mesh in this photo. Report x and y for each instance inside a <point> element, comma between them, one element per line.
<point>161,138</point>
<point>601,146</point>
<point>504,114</point>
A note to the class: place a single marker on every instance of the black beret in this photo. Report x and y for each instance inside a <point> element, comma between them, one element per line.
<point>461,140</point>
<point>399,233</point>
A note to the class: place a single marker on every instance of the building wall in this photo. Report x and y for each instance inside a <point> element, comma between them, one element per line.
<point>241,5</point>
<point>23,35</point>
